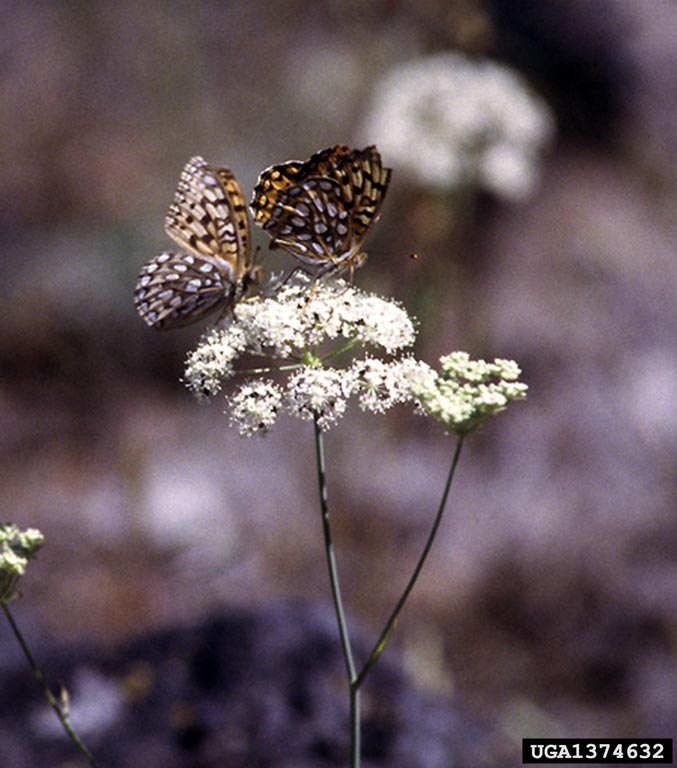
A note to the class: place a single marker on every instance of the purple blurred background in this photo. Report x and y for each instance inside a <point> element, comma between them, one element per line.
<point>549,601</point>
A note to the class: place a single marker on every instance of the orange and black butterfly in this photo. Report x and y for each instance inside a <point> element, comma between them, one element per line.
<point>208,218</point>
<point>321,210</point>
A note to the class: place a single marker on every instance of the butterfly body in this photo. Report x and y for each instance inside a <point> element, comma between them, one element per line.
<point>209,219</point>
<point>321,210</point>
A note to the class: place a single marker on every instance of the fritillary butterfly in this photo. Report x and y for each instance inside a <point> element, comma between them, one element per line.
<point>321,210</point>
<point>209,219</point>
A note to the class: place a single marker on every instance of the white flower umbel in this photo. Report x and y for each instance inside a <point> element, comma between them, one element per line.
<point>16,549</point>
<point>453,122</point>
<point>214,359</point>
<point>255,405</point>
<point>381,384</point>
<point>467,392</point>
<point>300,329</point>
<point>320,393</point>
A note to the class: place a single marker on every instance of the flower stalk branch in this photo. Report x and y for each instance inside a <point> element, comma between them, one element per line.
<point>355,716</point>
<point>356,680</point>
<point>60,710</point>
<point>389,627</point>
<point>17,548</point>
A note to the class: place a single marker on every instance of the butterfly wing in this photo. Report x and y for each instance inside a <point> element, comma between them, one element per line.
<point>241,257</point>
<point>208,218</point>
<point>365,182</point>
<point>363,179</point>
<point>321,210</point>
<point>326,162</point>
<point>310,221</point>
<point>270,183</point>
<point>176,289</point>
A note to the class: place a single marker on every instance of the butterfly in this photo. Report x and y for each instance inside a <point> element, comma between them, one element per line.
<point>208,218</point>
<point>321,210</point>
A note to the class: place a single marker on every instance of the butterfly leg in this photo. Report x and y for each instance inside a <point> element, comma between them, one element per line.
<point>289,275</point>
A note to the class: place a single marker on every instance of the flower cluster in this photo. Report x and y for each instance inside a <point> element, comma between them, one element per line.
<point>467,392</point>
<point>297,331</point>
<point>304,326</point>
<point>16,549</point>
<point>454,122</point>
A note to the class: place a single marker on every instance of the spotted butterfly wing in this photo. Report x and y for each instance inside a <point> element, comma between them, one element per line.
<point>365,183</point>
<point>279,177</point>
<point>321,210</point>
<point>209,219</point>
<point>282,179</point>
<point>272,180</point>
<point>314,226</point>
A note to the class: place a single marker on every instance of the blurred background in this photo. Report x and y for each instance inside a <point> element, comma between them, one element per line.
<point>533,154</point>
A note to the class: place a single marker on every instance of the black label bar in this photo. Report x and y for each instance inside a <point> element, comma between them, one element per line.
<point>600,751</point>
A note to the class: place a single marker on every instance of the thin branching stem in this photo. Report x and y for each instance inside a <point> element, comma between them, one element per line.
<point>336,352</point>
<point>54,704</point>
<point>355,681</point>
<point>389,627</point>
<point>355,726</point>
<point>355,748</point>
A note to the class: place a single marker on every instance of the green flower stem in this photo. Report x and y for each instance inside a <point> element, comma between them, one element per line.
<point>271,369</point>
<point>389,627</point>
<point>336,352</point>
<point>37,673</point>
<point>355,711</point>
<point>356,680</point>
<point>355,726</point>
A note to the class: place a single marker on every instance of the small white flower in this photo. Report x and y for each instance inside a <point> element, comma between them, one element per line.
<point>372,320</point>
<point>301,327</point>
<point>17,547</point>
<point>254,407</point>
<point>467,392</point>
<point>300,318</point>
<point>459,365</point>
<point>214,360</point>
<point>304,325</point>
<point>276,326</point>
<point>319,392</point>
<point>507,369</point>
<point>382,384</point>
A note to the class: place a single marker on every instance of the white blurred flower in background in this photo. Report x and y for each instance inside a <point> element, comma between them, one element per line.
<point>452,121</point>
